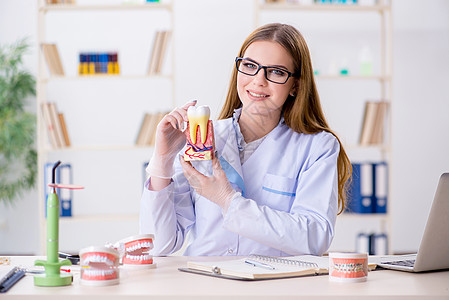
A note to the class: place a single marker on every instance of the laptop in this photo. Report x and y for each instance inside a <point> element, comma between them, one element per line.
<point>433,252</point>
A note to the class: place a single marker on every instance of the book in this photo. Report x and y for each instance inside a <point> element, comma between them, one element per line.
<point>64,129</point>
<point>52,58</point>
<point>160,45</point>
<point>157,41</point>
<point>49,125</point>
<point>377,136</point>
<point>144,130</point>
<point>294,266</point>
<point>163,51</point>
<point>56,124</point>
<point>373,125</point>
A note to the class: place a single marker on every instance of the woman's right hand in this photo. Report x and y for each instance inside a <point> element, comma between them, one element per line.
<point>170,138</point>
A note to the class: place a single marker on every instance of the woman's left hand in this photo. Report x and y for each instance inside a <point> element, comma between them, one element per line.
<point>216,188</point>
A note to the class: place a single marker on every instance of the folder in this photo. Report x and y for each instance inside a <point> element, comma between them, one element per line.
<point>360,198</point>
<point>380,175</point>
<point>65,199</point>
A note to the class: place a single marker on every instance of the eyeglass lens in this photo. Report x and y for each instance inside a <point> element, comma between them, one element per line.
<point>273,74</point>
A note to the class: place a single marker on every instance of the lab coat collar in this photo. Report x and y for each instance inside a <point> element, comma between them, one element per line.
<point>228,152</point>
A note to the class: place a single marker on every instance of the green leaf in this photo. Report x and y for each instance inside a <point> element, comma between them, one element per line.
<point>18,158</point>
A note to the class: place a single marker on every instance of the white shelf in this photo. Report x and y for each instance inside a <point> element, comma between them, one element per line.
<point>324,7</point>
<point>353,77</point>
<point>76,7</point>
<point>106,77</point>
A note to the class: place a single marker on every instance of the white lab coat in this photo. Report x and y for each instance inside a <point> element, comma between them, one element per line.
<point>288,204</point>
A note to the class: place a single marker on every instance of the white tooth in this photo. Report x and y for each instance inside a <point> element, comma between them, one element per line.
<point>198,116</point>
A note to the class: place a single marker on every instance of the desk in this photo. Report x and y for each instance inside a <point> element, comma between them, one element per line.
<point>166,282</point>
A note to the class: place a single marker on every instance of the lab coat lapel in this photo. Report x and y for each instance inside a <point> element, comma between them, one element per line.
<point>228,153</point>
<point>258,162</point>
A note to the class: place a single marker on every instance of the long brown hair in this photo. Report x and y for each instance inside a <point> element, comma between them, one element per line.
<point>302,112</point>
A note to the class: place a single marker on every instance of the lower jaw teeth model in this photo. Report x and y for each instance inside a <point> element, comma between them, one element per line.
<point>99,266</point>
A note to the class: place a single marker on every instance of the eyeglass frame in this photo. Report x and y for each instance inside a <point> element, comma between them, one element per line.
<point>259,66</point>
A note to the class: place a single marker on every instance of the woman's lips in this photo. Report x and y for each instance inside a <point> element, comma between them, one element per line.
<point>257,95</point>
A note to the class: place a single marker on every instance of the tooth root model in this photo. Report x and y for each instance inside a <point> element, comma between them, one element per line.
<point>200,134</point>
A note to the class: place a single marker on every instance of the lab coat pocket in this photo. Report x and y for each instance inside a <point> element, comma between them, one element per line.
<point>278,191</point>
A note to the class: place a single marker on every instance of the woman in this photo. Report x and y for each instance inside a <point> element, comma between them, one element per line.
<point>278,177</point>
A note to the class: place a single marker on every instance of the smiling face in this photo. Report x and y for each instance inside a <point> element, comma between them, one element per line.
<point>259,96</point>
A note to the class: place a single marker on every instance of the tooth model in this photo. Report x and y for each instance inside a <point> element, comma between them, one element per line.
<point>136,252</point>
<point>200,134</point>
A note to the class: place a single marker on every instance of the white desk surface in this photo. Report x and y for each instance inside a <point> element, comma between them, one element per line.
<point>166,282</point>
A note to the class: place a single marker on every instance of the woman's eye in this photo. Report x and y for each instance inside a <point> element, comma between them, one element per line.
<point>278,72</point>
<point>250,65</point>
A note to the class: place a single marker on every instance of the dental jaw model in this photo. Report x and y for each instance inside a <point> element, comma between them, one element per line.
<point>200,134</point>
<point>99,266</point>
<point>137,251</point>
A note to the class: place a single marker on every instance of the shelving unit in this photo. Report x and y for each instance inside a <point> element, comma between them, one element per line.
<point>318,20</point>
<point>101,146</point>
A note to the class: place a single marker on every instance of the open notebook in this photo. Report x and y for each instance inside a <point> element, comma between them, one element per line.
<point>257,267</point>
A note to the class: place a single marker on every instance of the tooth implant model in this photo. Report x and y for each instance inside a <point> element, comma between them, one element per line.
<point>200,134</point>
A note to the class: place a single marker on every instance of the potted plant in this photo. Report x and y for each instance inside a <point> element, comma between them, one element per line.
<point>17,127</point>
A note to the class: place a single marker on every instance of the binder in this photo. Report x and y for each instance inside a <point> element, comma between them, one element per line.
<point>363,243</point>
<point>379,244</point>
<point>380,175</point>
<point>372,243</point>
<point>65,195</point>
<point>63,175</point>
<point>361,196</point>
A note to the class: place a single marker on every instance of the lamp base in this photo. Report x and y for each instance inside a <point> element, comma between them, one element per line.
<point>53,280</point>
<point>52,275</point>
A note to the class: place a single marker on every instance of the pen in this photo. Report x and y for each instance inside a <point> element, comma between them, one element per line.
<point>258,264</point>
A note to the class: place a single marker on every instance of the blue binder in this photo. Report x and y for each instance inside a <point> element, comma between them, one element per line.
<point>63,175</point>
<point>361,195</point>
<point>65,195</point>
<point>380,175</point>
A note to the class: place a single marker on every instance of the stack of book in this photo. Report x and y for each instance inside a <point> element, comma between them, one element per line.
<point>147,132</point>
<point>53,60</point>
<point>91,63</point>
<point>373,128</point>
<point>56,126</point>
<point>158,52</point>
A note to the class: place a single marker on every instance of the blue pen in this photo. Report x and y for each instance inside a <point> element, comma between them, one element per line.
<point>255,263</point>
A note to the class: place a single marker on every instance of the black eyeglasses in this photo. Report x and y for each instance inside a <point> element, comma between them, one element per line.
<point>273,74</point>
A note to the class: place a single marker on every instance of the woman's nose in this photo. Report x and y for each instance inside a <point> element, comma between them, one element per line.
<point>260,77</point>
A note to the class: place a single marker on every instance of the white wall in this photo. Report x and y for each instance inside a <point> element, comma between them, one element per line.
<point>421,101</point>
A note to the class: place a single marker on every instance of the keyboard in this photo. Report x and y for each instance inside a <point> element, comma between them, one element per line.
<point>403,263</point>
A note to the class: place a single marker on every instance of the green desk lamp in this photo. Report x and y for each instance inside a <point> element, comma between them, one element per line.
<point>53,275</point>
